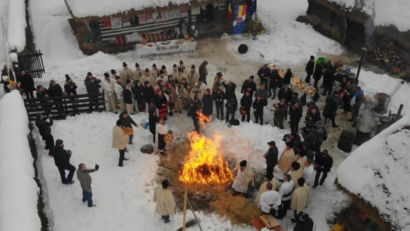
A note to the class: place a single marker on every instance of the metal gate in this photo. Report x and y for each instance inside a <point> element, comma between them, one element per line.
<point>32,63</point>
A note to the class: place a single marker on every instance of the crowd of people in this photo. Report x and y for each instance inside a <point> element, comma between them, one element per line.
<point>162,93</point>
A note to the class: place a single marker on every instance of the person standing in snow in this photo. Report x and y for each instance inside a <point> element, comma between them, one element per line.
<point>125,74</point>
<point>164,201</point>
<point>295,113</point>
<point>154,71</point>
<point>303,222</point>
<point>137,74</point>
<point>246,104</point>
<point>285,193</point>
<point>217,82</point>
<point>83,175</point>
<point>264,74</point>
<point>109,93</point>
<point>219,104</point>
<point>203,72</point>
<point>148,77</point>
<point>324,164</point>
<point>287,158</point>
<point>176,96</point>
<point>328,79</point>
<point>258,106</point>
<point>287,77</point>
<point>44,129</point>
<point>149,95</point>
<point>280,113</point>
<point>93,85</point>
<point>152,119</point>
<point>231,107</point>
<point>181,75</point>
<point>249,86</point>
<point>355,103</point>
<point>208,104</point>
<point>161,132</point>
<point>262,92</point>
<point>119,89</point>
<point>309,172</point>
<point>262,188</point>
<point>129,98</point>
<point>332,104</point>
<point>271,158</point>
<point>317,75</point>
<point>8,72</point>
<point>55,90</point>
<point>26,84</point>
<point>309,135</point>
<point>193,76</point>
<point>310,67</point>
<point>70,87</point>
<point>275,82</point>
<point>119,141</point>
<point>320,136</point>
<point>194,108</point>
<point>270,201</point>
<point>126,122</point>
<point>285,93</point>
<point>244,177</point>
<point>229,89</point>
<point>138,91</point>
<point>62,161</point>
<point>299,197</point>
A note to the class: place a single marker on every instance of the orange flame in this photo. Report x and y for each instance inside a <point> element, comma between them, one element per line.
<point>204,165</point>
<point>202,119</point>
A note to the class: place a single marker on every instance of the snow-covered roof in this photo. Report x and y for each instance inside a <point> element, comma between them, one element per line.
<point>100,8</point>
<point>379,172</point>
<point>385,12</point>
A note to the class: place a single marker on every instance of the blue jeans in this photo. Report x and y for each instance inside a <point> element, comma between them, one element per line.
<point>87,196</point>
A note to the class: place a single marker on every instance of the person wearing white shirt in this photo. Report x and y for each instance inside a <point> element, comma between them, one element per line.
<point>118,89</point>
<point>161,132</point>
<point>285,192</point>
<point>309,172</point>
<point>109,92</point>
<point>270,201</point>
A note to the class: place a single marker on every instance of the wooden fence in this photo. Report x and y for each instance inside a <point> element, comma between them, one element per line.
<point>63,106</point>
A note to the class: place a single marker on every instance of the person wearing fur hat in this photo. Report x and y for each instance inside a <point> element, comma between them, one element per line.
<point>93,85</point>
<point>55,90</point>
<point>164,202</point>
<point>203,71</point>
<point>287,158</point>
<point>164,70</point>
<point>231,108</point>
<point>271,157</point>
<point>249,86</point>
<point>148,77</point>
<point>182,67</point>
<point>62,161</point>
<point>300,196</point>
<point>208,104</point>
<point>162,76</point>
<point>217,82</point>
<point>303,222</point>
<point>125,74</point>
<point>181,75</point>
<point>243,177</point>
<point>119,89</point>
<point>200,85</point>
<point>120,140</point>
<point>44,129</point>
<point>279,114</point>
<point>246,104</point>
<point>258,106</point>
<point>193,76</point>
<point>275,187</point>
<point>174,70</point>
<point>177,93</point>
<point>154,71</point>
<point>109,92</point>
<point>197,92</point>
<point>138,73</point>
<point>324,164</point>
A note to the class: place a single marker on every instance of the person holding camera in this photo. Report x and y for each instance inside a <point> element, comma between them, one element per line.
<point>83,175</point>
<point>62,161</point>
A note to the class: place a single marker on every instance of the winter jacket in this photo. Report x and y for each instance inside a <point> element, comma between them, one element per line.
<point>329,77</point>
<point>320,132</point>
<point>263,72</point>
<point>219,98</point>
<point>119,138</point>
<point>246,102</point>
<point>306,225</point>
<point>359,98</point>
<point>92,87</point>
<point>44,96</point>
<point>44,127</point>
<point>159,101</point>
<point>27,82</point>
<point>138,92</point>
<point>128,96</point>
<point>327,162</point>
<point>332,104</point>
<point>310,67</point>
<point>294,101</point>
<point>150,79</point>
<point>249,85</point>
<point>285,94</point>
<point>199,94</point>
<point>174,95</point>
<point>119,89</point>
<point>108,87</point>
<point>318,72</point>
<point>148,94</point>
<point>262,93</point>
<point>181,76</point>
<point>85,179</point>
<point>55,90</point>
<point>164,202</point>
<point>295,114</point>
<point>125,74</point>
<point>137,74</point>
<point>299,198</point>
<point>258,105</point>
<point>312,118</point>
<point>272,157</point>
<point>193,78</point>
<point>275,81</point>
<point>61,156</point>
<point>70,88</point>
<point>203,73</point>
<point>287,77</point>
<point>208,104</point>
<point>280,112</point>
<point>310,137</point>
<point>126,122</point>
<point>229,90</point>
<point>152,123</point>
<point>232,105</point>
<point>286,159</point>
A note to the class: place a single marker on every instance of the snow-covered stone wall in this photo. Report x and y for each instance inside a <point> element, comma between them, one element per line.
<point>17,25</point>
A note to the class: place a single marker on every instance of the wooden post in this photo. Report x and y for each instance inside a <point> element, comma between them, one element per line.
<point>196,218</point>
<point>185,205</point>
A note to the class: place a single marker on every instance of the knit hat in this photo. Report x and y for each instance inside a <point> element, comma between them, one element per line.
<point>272,143</point>
<point>312,57</point>
<point>117,77</point>
<point>205,62</point>
<point>295,165</point>
<point>106,75</point>
<point>154,65</point>
<point>67,77</point>
<point>146,70</point>
<point>124,64</point>
<point>301,181</point>
<point>193,67</point>
<point>165,184</point>
<point>137,65</point>
<point>174,65</point>
<point>163,67</point>
<point>251,77</point>
<point>181,62</point>
<point>52,81</point>
<point>243,163</point>
<point>59,142</point>
<point>89,73</point>
<point>113,71</point>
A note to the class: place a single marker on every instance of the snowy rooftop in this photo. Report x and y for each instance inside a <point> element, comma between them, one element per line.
<point>385,13</point>
<point>100,8</point>
<point>378,171</point>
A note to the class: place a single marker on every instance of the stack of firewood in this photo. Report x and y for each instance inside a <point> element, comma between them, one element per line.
<point>387,58</point>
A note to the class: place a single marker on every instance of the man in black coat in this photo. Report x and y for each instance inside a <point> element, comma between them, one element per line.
<point>231,107</point>
<point>317,75</point>
<point>271,158</point>
<point>126,123</point>
<point>324,163</point>
<point>44,128</point>
<point>249,85</point>
<point>303,222</point>
<point>332,104</point>
<point>7,72</point>
<point>203,72</point>
<point>229,89</point>
<point>275,82</point>
<point>328,79</point>
<point>264,75</point>
<point>258,106</point>
<point>309,134</point>
<point>246,104</point>
<point>219,98</point>
<point>153,122</point>
<point>149,94</point>
<point>295,113</point>
<point>62,161</point>
<point>285,93</point>
<point>93,85</point>
<point>26,83</point>
<point>310,67</point>
<point>54,90</point>
<point>195,106</point>
<point>207,103</point>
<point>358,100</point>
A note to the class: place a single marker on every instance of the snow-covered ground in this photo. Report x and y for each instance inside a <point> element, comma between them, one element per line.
<point>18,190</point>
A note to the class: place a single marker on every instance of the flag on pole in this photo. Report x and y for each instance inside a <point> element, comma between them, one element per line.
<point>254,8</point>
<point>231,6</point>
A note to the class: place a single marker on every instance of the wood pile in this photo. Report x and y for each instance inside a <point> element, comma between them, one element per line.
<point>387,58</point>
